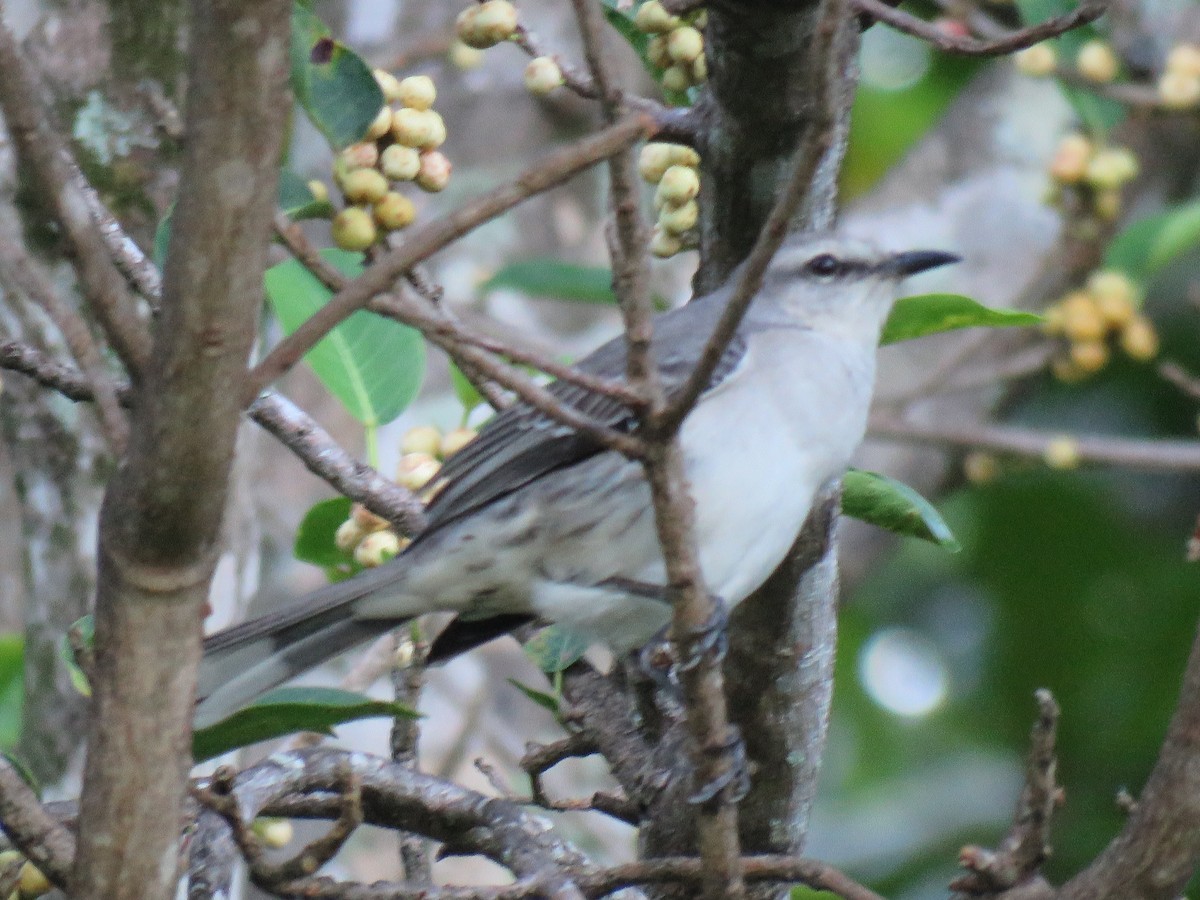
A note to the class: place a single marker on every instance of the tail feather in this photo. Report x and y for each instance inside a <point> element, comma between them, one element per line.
<point>244,661</point>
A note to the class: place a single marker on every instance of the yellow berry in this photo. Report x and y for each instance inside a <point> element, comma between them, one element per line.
<point>654,160</point>
<point>1184,59</point>
<point>664,244</point>
<point>1139,340</point>
<point>388,83</point>
<point>1062,453</point>
<point>463,57</point>
<point>1089,356</point>
<point>652,18</point>
<point>400,163</point>
<point>1115,296</point>
<point>275,833</point>
<point>1107,204</point>
<point>683,155</point>
<point>699,69</point>
<point>1053,320</point>
<point>488,24</point>
<point>348,535</point>
<point>1179,90</point>
<point>33,883</point>
<point>319,191</point>
<point>394,211</point>
<point>412,127</point>
<point>1037,61</point>
<point>416,470</point>
<point>1097,62</point>
<point>678,185</point>
<point>417,92</point>
<point>980,467</point>
<point>354,229</point>
<point>676,78</point>
<point>685,44</point>
<point>455,440</point>
<point>425,439</point>
<point>542,75</point>
<point>1111,167</point>
<point>366,519</point>
<point>437,130</point>
<point>377,548</point>
<point>1070,162</point>
<point>380,125</point>
<point>1081,319</point>
<point>434,173</point>
<point>656,52</point>
<point>363,155</point>
<point>364,186</point>
<point>679,219</point>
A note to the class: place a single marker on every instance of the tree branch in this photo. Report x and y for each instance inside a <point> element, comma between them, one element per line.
<point>43,840</point>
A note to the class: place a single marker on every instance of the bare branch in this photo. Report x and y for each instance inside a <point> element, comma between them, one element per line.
<point>1085,12</point>
<point>49,845</point>
<point>423,241</point>
<point>1150,455</point>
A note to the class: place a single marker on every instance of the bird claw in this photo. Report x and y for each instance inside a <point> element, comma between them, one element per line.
<point>735,774</point>
<point>710,637</point>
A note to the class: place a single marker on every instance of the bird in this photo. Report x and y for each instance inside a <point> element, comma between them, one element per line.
<point>538,521</point>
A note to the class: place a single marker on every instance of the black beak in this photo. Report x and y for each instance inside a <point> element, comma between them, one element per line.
<point>901,265</point>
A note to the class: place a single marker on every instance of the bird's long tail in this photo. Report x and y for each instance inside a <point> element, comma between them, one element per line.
<point>244,661</point>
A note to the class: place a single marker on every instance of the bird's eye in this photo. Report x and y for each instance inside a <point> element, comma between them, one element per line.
<point>824,265</point>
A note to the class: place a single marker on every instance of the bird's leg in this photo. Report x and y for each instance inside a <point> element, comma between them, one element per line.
<point>710,637</point>
<point>735,772</point>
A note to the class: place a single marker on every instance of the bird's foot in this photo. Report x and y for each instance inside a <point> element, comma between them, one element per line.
<point>711,637</point>
<point>733,770</point>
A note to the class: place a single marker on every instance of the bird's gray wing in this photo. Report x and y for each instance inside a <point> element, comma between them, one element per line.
<point>522,444</point>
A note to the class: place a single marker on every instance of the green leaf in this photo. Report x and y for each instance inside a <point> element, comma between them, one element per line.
<point>86,629</point>
<point>1145,247</point>
<point>551,278</point>
<point>914,317</point>
<point>555,648</point>
<point>373,365</point>
<point>12,678</point>
<point>890,504</point>
<point>24,771</point>
<point>541,698</point>
<point>468,395</point>
<point>332,84</point>
<point>297,201</point>
<point>286,711</point>
<point>162,238</point>
<point>315,539</point>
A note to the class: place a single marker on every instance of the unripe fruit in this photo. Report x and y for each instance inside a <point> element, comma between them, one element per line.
<point>363,155</point>
<point>677,78</point>
<point>377,548</point>
<point>412,127</point>
<point>457,439</point>
<point>417,92</point>
<point>682,155</point>
<point>400,163</point>
<point>380,125</point>
<point>394,211</point>
<point>354,229</point>
<point>434,174</point>
<point>1179,90</point>
<point>1089,356</point>
<point>33,883</point>
<point>1081,319</point>
<point>463,57</point>
<point>1184,59</point>
<point>1071,157</point>
<point>425,439</point>
<point>437,130</point>
<point>364,186</point>
<point>1062,453</point>
<point>1114,294</point>
<point>542,75</point>
<point>980,467</point>
<point>685,44</point>
<point>700,69</point>
<point>1097,62</point>
<point>1037,61</point>
<point>274,833</point>
<point>348,536</point>
<point>319,191</point>
<point>1139,339</point>
<point>415,470</point>
<point>365,519</point>
<point>652,18</point>
<point>678,185</point>
<point>388,83</point>
<point>495,21</point>
<point>664,244</point>
<point>1111,168</point>
<point>679,219</point>
<point>654,160</point>
<point>656,52</point>
<point>468,31</point>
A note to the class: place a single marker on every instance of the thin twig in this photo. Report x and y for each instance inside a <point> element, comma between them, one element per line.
<point>49,845</point>
<point>1132,453</point>
<point>423,241</point>
<point>1086,12</point>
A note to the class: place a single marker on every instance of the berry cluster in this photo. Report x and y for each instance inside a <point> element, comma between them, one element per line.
<point>400,145</point>
<point>675,169</point>
<point>1179,84</point>
<point>370,537</point>
<point>1091,176</point>
<point>1089,320</point>
<point>676,45</point>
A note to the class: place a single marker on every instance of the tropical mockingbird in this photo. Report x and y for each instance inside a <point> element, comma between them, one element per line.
<point>538,521</point>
